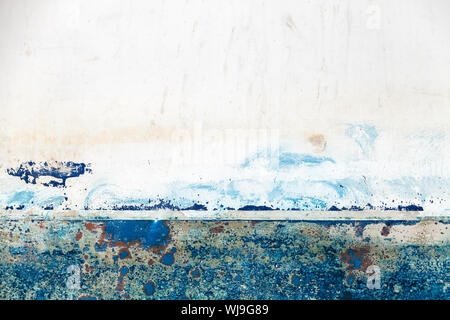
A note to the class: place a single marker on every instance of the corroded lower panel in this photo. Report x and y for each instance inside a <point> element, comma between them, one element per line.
<point>127,259</point>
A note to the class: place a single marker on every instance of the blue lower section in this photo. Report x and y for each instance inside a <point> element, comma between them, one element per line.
<point>218,260</point>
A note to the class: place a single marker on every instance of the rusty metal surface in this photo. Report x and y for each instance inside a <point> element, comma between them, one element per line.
<point>217,149</point>
<point>127,259</point>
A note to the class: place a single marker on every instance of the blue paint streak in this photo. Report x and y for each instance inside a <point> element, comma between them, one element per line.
<point>289,159</point>
<point>21,197</point>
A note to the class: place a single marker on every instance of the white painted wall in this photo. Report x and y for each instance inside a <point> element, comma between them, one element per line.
<point>115,82</point>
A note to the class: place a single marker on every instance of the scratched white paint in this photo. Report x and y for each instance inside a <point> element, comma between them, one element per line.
<point>174,100</point>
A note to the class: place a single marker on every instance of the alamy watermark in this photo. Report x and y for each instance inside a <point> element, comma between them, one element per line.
<point>202,146</point>
<point>373,277</point>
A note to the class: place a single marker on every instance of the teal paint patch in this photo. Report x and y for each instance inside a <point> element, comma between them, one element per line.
<point>285,160</point>
<point>288,159</point>
<point>363,134</point>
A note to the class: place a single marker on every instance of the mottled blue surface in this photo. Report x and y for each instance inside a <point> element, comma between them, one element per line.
<point>219,260</point>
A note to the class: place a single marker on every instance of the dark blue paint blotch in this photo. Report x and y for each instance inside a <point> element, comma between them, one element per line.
<point>148,233</point>
<point>168,259</point>
<point>124,254</point>
<point>255,208</point>
<point>149,288</point>
<point>334,208</point>
<point>60,170</point>
<point>195,273</point>
<point>410,207</point>
<point>196,206</point>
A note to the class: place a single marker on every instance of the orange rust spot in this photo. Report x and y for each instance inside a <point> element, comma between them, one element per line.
<point>88,268</point>
<point>91,226</point>
<point>218,229</point>
<point>120,285</point>
<point>356,258</point>
<point>78,236</point>
<point>95,227</point>
<point>124,245</point>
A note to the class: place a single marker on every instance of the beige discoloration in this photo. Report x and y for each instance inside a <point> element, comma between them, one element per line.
<point>290,23</point>
<point>422,233</point>
<point>318,142</point>
<point>254,216</point>
<point>135,134</point>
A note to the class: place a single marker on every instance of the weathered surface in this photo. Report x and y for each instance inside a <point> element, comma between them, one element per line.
<point>123,259</point>
<point>116,113</point>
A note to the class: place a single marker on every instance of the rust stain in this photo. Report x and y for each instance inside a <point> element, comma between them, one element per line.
<point>116,135</point>
<point>92,226</point>
<point>356,260</point>
<point>318,142</point>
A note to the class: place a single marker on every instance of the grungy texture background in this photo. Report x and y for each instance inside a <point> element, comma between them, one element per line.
<point>224,149</point>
